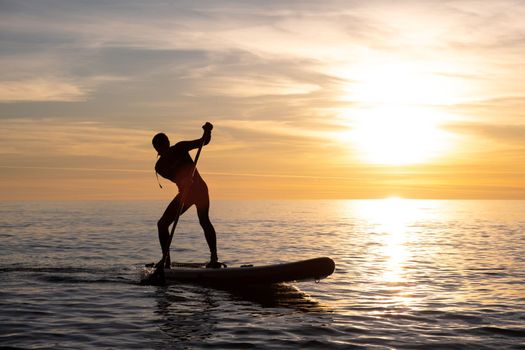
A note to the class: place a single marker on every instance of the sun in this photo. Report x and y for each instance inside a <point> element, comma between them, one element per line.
<point>398,135</point>
<point>395,118</point>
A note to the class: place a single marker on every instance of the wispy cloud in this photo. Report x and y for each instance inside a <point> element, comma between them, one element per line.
<point>503,134</point>
<point>41,90</point>
<point>41,139</point>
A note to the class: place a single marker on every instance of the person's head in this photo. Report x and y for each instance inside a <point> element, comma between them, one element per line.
<point>161,143</point>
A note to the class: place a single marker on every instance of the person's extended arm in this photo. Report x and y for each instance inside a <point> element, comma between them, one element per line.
<point>189,145</point>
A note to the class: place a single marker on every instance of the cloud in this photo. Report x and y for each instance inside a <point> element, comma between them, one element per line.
<point>491,110</point>
<point>488,24</point>
<point>48,138</point>
<point>280,129</point>
<point>41,90</point>
<point>192,46</point>
<point>238,87</point>
<point>501,133</point>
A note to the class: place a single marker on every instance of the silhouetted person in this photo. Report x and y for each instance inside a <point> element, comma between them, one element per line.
<point>176,164</point>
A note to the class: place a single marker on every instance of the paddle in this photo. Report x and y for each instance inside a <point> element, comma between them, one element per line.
<point>157,277</point>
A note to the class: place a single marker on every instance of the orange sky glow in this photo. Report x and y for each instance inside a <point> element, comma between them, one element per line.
<point>333,99</point>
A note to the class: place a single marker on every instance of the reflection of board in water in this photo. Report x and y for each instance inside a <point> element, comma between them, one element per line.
<point>277,295</point>
<point>192,313</point>
<point>305,270</point>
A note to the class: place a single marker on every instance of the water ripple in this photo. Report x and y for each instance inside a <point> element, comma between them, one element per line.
<point>410,275</point>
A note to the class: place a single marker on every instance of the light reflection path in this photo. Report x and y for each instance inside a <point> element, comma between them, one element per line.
<point>393,228</point>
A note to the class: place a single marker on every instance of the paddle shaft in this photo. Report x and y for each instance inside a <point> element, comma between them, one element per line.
<point>182,200</point>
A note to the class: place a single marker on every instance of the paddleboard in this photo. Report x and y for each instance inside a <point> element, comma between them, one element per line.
<point>298,271</point>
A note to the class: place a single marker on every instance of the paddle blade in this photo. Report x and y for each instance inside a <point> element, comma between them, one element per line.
<point>156,278</point>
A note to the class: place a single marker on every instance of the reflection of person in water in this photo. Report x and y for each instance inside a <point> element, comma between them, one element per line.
<point>189,316</point>
<point>176,165</point>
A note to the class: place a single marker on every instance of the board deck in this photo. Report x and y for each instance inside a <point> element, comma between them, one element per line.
<point>304,270</point>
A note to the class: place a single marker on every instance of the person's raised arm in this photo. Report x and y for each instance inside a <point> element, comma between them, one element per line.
<point>206,137</point>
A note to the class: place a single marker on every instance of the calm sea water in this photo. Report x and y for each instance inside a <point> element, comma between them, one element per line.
<point>410,275</point>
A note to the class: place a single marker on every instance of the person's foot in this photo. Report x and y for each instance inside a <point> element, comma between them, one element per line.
<point>214,265</point>
<point>166,263</point>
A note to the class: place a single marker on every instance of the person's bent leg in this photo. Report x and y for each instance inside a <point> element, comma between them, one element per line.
<point>163,228</point>
<point>201,199</point>
<point>163,225</point>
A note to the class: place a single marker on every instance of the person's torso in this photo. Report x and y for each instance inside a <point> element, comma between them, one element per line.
<point>176,165</point>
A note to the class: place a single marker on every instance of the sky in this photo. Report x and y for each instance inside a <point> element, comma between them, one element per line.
<point>309,99</point>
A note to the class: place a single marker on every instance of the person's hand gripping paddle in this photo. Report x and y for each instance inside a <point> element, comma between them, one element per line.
<point>157,276</point>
